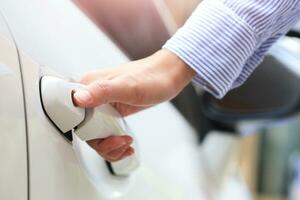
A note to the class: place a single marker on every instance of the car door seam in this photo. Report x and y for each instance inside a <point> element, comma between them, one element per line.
<point>24,102</point>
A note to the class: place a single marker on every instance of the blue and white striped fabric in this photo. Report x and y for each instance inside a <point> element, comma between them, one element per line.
<point>224,40</point>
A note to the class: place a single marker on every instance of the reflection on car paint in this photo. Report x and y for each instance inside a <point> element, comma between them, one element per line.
<point>4,70</point>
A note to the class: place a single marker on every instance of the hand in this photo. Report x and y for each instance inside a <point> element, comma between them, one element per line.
<point>113,148</point>
<point>130,88</point>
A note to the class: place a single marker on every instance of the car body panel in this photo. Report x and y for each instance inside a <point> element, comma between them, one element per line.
<point>13,153</point>
<point>52,33</point>
<point>56,38</point>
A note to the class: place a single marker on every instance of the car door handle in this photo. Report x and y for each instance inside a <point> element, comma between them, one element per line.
<point>87,124</point>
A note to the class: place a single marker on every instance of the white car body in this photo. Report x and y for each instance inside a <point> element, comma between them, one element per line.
<point>53,37</point>
<point>56,38</point>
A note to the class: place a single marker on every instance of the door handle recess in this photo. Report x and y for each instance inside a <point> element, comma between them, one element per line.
<point>87,124</point>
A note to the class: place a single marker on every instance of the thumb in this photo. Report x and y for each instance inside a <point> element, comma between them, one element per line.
<point>101,92</point>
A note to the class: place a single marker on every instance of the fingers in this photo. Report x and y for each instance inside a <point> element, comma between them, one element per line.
<point>96,75</point>
<point>113,148</point>
<point>113,142</point>
<point>128,152</point>
<point>106,91</point>
<point>119,154</point>
<point>126,110</point>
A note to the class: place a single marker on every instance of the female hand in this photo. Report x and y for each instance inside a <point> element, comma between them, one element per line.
<point>130,88</point>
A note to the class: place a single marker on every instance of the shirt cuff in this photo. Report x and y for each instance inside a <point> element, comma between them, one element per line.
<point>216,43</point>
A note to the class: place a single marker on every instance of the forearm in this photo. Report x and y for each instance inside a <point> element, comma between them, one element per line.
<point>224,36</point>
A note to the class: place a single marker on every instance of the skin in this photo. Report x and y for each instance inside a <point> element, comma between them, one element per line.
<point>130,88</point>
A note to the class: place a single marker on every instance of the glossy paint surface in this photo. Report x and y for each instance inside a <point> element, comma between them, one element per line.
<point>13,153</point>
<point>56,38</point>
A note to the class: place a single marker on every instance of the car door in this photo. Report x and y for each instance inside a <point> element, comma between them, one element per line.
<point>55,38</point>
<point>13,151</point>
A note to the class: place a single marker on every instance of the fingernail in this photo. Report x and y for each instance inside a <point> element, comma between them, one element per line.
<point>130,152</point>
<point>128,139</point>
<point>84,97</point>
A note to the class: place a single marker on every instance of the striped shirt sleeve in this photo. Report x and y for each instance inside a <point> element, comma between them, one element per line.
<point>224,40</point>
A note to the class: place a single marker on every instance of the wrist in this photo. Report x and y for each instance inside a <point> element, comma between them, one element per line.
<point>178,72</point>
